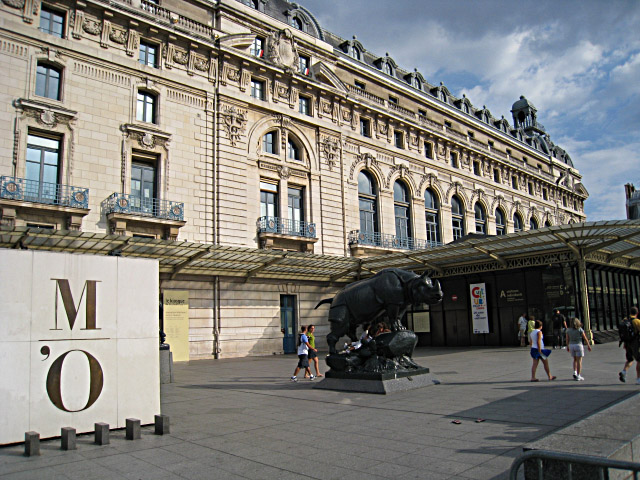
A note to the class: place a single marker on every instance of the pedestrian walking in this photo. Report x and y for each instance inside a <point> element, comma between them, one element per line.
<point>632,346</point>
<point>531,325</point>
<point>522,329</point>
<point>303,355</point>
<point>574,337</point>
<point>538,352</point>
<point>313,353</point>
<point>559,323</point>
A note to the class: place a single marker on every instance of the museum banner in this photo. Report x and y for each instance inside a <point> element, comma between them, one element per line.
<point>78,342</point>
<point>176,323</point>
<point>479,312</point>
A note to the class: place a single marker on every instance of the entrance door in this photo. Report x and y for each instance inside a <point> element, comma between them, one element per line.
<point>288,322</point>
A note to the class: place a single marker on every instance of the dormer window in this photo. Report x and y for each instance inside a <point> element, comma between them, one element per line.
<point>355,52</point>
<point>387,68</point>
<point>417,83</point>
<point>442,96</point>
<point>296,23</point>
<point>465,108</point>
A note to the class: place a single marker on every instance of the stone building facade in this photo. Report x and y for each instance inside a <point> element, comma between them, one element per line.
<point>245,123</point>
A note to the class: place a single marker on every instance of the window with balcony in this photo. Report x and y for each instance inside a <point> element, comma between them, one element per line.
<point>268,199</point>
<point>48,81</point>
<point>305,105</point>
<point>501,228</point>
<point>368,204</point>
<point>148,54</point>
<point>42,168</point>
<point>296,208</point>
<point>481,219</point>
<point>51,21</point>
<point>365,127</point>
<point>432,217</point>
<point>146,107</point>
<point>402,210</point>
<point>304,64</point>
<point>360,85</point>
<point>257,89</point>
<point>143,184</point>
<point>393,100</point>
<point>517,222</point>
<point>533,224</point>
<point>270,143</point>
<point>257,48</point>
<point>457,218</point>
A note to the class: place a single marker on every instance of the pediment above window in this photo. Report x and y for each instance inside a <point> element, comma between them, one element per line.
<point>147,138</point>
<point>324,74</point>
<point>240,41</point>
<point>46,114</point>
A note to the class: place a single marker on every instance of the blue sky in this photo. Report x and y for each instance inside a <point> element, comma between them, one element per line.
<point>578,62</point>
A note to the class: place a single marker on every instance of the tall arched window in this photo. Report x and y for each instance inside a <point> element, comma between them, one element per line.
<point>293,152</point>
<point>417,83</point>
<point>501,228</point>
<point>368,200</point>
<point>533,224</point>
<point>402,210</point>
<point>432,217</point>
<point>481,219</point>
<point>296,23</point>
<point>355,53</point>
<point>457,218</point>
<point>517,222</point>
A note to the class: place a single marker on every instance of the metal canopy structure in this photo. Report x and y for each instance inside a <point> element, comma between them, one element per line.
<point>613,243</point>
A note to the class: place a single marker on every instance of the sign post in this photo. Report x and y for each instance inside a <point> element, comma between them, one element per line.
<point>479,312</point>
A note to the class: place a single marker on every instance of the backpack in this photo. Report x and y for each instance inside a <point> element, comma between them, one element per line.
<point>627,331</point>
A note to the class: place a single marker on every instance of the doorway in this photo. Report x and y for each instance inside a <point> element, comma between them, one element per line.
<point>288,322</point>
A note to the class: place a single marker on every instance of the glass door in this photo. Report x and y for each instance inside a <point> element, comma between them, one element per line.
<point>288,322</point>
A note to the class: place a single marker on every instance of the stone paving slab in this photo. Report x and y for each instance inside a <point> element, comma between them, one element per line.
<point>244,419</point>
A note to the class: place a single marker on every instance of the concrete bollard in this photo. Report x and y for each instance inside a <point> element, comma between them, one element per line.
<point>133,429</point>
<point>31,444</point>
<point>68,438</point>
<point>162,424</point>
<point>102,433</point>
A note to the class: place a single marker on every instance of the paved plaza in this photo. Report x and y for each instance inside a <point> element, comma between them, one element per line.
<point>244,419</point>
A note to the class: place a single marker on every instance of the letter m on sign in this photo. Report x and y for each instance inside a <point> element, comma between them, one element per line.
<point>63,290</point>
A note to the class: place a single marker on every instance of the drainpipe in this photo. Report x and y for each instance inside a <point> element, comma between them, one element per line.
<point>216,317</point>
<point>344,220</point>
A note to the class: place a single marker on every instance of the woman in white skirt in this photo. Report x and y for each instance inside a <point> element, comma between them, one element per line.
<point>575,336</point>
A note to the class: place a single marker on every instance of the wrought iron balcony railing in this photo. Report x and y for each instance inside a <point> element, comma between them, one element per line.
<point>146,207</point>
<point>14,188</point>
<point>376,239</point>
<point>286,227</point>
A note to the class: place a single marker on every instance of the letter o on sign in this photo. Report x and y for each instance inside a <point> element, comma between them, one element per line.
<point>54,376</point>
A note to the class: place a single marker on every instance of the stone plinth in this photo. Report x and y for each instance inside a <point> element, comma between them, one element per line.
<point>382,383</point>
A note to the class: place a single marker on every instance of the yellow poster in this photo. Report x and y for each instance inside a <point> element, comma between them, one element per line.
<point>176,323</point>
<point>421,322</point>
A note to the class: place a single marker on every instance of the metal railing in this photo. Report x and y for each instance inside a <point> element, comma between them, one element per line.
<point>14,188</point>
<point>286,227</point>
<point>376,239</point>
<point>570,466</point>
<point>146,207</point>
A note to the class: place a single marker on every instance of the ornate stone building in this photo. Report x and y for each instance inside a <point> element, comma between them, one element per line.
<point>245,123</point>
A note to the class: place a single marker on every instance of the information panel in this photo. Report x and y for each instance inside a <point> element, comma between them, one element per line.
<point>479,312</point>
<point>176,323</point>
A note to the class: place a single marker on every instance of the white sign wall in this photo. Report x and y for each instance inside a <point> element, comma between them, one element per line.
<point>78,342</point>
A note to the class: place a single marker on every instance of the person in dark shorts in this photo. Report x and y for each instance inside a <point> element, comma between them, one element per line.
<point>303,355</point>
<point>559,324</point>
<point>313,352</point>
<point>632,349</point>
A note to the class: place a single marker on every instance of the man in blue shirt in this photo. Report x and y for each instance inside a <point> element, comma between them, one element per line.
<point>303,355</point>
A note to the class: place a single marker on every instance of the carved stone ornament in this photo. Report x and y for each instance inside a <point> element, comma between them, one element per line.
<point>14,3</point>
<point>147,140</point>
<point>48,118</point>
<point>284,172</point>
<point>92,27</point>
<point>234,122</point>
<point>282,50</point>
<point>330,148</point>
<point>118,36</point>
<point>180,57</point>
<point>201,64</point>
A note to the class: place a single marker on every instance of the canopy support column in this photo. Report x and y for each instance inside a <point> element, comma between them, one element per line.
<point>584,295</point>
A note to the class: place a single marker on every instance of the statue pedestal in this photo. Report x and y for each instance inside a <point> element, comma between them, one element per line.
<point>382,383</point>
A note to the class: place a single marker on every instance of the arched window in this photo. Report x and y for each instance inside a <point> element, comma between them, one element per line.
<point>402,210</point>
<point>465,108</point>
<point>481,219</point>
<point>270,143</point>
<point>368,200</point>
<point>296,23</point>
<point>547,223</point>
<point>48,81</point>
<point>387,68</point>
<point>356,53</point>
<point>533,224</point>
<point>501,229</point>
<point>443,96</point>
<point>517,222</point>
<point>457,218</point>
<point>146,107</point>
<point>293,152</point>
<point>417,83</point>
<point>432,217</point>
